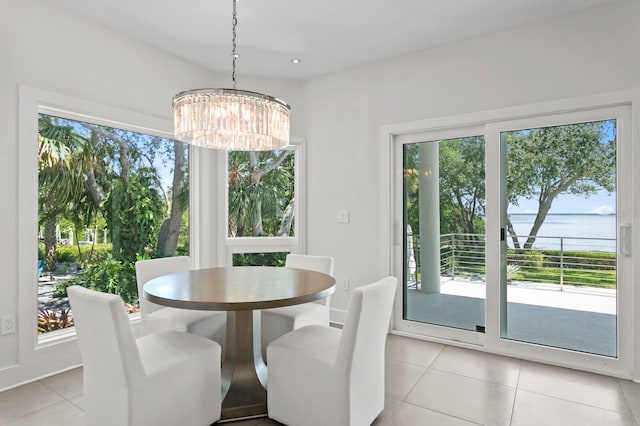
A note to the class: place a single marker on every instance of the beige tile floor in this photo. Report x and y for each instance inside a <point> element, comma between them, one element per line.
<point>426,384</point>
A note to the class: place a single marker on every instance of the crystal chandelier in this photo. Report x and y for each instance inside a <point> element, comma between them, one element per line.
<point>231,119</point>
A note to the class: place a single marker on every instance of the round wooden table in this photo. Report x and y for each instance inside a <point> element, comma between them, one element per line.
<point>240,291</point>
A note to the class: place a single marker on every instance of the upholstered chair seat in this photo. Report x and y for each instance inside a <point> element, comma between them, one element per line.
<point>163,379</point>
<point>278,321</point>
<point>319,375</point>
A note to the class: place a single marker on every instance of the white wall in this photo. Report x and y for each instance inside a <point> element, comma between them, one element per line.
<point>47,48</point>
<point>340,115</point>
<point>586,53</point>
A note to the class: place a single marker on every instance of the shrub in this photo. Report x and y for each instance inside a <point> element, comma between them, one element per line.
<point>526,258</point>
<point>512,271</point>
<point>66,254</point>
<point>259,259</point>
<point>87,255</point>
<point>107,276</point>
<point>51,319</point>
<point>131,308</point>
<point>586,259</point>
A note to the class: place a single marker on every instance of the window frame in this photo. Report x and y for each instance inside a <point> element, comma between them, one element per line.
<point>35,348</point>
<point>295,244</point>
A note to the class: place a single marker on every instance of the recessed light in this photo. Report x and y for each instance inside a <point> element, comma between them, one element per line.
<point>295,61</point>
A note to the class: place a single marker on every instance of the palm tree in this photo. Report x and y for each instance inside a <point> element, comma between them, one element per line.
<point>60,178</point>
<point>260,192</point>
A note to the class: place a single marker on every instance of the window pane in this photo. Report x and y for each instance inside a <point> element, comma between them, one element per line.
<point>107,197</point>
<point>261,193</point>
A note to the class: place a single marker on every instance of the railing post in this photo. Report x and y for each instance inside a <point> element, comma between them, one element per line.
<point>561,264</point>
<point>453,256</point>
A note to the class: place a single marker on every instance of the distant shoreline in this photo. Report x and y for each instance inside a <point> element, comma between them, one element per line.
<point>564,214</point>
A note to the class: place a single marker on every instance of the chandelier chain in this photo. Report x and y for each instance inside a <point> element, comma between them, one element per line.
<point>234,23</point>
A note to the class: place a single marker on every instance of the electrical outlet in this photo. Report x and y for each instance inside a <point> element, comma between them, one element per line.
<point>345,284</point>
<point>8,324</point>
<point>343,216</point>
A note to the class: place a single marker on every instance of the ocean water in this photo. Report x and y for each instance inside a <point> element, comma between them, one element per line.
<point>588,232</point>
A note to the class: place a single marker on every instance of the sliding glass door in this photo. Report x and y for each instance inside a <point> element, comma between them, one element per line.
<point>515,235</point>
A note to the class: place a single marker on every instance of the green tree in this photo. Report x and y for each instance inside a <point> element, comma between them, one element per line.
<point>91,174</point>
<point>462,185</point>
<point>543,163</point>
<point>169,232</point>
<point>123,181</point>
<point>133,210</point>
<point>260,192</point>
<point>60,180</point>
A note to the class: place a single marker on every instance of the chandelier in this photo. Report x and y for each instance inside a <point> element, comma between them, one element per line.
<point>231,119</point>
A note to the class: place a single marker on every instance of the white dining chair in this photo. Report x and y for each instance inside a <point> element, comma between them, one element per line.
<point>167,378</point>
<point>321,375</point>
<point>154,317</point>
<point>277,321</point>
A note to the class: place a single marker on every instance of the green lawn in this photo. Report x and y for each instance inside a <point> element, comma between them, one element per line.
<point>579,277</point>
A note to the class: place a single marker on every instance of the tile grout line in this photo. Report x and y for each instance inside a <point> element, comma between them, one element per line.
<point>626,400</point>
<point>426,369</point>
<point>403,401</point>
<point>30,412</point>
<point>60,394</point>
<point>442,412</point>
<point>474,378</point>
<point>580,403</point>
<point>515,396</point>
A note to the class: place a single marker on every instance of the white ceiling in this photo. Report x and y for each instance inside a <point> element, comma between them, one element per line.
<point>326,35</point>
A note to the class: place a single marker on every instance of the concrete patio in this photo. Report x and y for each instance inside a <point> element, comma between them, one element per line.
<point>578,318</point>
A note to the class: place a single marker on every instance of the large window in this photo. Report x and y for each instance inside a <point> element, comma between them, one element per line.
<point>107,196</point>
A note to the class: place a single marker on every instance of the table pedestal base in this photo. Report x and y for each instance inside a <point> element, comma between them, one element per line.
<point>244,374</point>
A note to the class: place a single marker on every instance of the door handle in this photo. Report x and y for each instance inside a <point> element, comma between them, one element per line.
<point>625,239</point>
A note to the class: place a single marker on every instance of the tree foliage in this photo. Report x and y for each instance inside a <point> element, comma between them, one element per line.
<point>461,182</point>
<point>543,163</point>
<point>133,211</point>
<point>261,186</point>
<point>462,185</point>
<point>60,180</point>
<point>90,174</point>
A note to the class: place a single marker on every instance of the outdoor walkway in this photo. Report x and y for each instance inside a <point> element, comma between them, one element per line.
<point>579,298</point>
<point>46,286</point>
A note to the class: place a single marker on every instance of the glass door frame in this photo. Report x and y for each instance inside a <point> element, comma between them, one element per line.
<point>437,331</point>
<point>492,122</point>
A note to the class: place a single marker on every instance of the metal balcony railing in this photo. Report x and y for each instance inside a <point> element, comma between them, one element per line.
<point>552,260</point>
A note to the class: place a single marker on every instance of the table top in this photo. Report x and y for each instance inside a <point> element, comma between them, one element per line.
<point>239,288</point>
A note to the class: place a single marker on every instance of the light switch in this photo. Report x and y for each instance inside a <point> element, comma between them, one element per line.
<point>343,216</point>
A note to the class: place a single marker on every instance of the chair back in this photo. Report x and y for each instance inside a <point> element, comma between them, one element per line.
<point>108,348</point>
<point>322,264</point>
<point>147,270</point>
<point>362,344</point>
